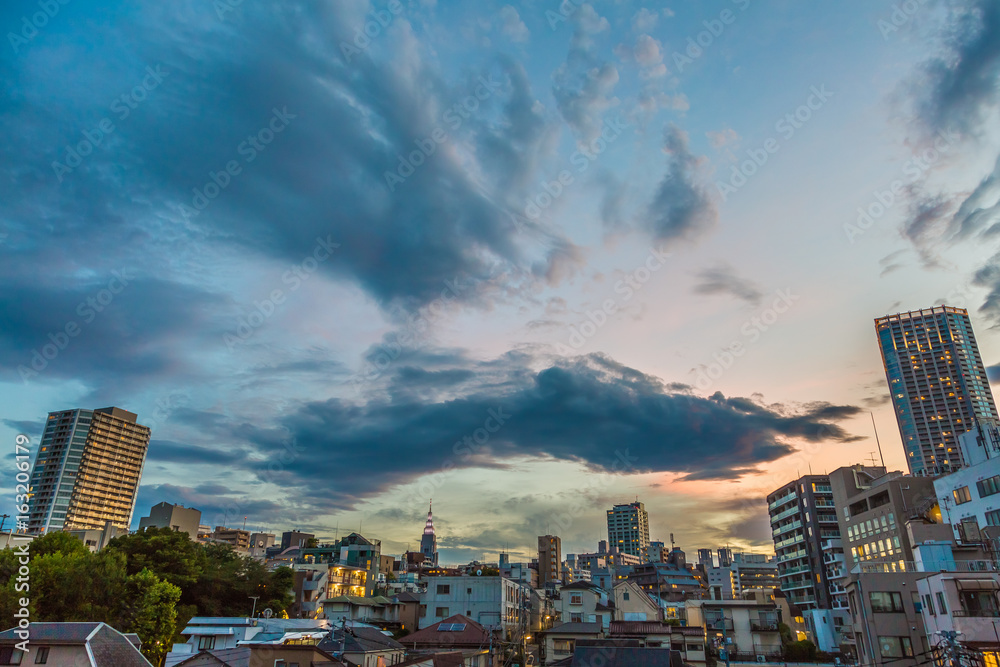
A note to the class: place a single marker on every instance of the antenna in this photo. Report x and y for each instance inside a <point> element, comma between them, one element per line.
<point>876,438</point>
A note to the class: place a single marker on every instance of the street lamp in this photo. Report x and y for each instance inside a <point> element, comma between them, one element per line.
<point>254,598</point>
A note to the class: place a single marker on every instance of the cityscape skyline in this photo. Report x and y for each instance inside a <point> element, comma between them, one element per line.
<point>531,270</point>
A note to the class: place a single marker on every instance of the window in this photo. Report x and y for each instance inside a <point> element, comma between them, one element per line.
<point>886,602</point>
<point>468,591</point>
<point>895,647</point>
<point>962,495</point>
<point>576,598</point>
<point>444,589</point>
<point>625,596</point>
<point>10,656</point>
<point>576,618</point>
<point>942,607</point>
<point>993,518</point>
<point>42,655</point>
<point>989,486</point>
<point>563,645</point>
<point>929,603</point>
<point>206,642</point>
<point>442,612</point>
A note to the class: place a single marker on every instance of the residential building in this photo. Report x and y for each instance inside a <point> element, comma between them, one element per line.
<point>656,552</point>
<point>631,603</point>
<point>239,538</point>
<point>725,557</point>
<point>94,644</point>
<point>582,602</point>
<point>350,554</point>
<point>214,633</point>
<point>492,601</point>
<point>455,634</point>
<point>561,640</point>
<point>748,576</point>
<point>688,642</point>
<point>363,647</point>
<point>628,528</point>
<point>176,517</point>
<point>970,498</point>
<point>705,558</point>
<point>295,538</point>
<point>962,602</point>
<point>98,539</point>
<point>876,509</point>
<point>310,588</point>
<point>549,560</point>
<point>937,383</point>
<point>87,470</point>
<point>668,581</point>
<point>428,541</point>
<point>747,628</point>
<point>807,544</point>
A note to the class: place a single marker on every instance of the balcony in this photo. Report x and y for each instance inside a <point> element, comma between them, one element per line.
<point>782,500</point>
<point>976,613</point>
<point>792,511</point>
<point>787,527</point>
<point>912,566</point>
<point>764,626</point>
<point>801,553</point>
<point>794,585</point>
<point>794,570</point>
<point>790,541</point>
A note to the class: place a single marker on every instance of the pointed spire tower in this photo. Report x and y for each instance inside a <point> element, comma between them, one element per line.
<point>428,542</point>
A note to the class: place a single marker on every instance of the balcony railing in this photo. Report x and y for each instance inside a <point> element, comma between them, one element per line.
<point>977,613</point>
<point>764,626</point>
<point>928,566</point>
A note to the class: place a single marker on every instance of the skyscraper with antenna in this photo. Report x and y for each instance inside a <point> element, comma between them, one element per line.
<point>428,541</point>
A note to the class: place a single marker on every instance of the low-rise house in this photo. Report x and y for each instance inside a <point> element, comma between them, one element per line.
<point>455,633</point>
<point>582,602</point>
<point>264,655</point>
<point>93,644</point>
<point>963,602</point>
<point>364,647</point>
<point>749,628</point>
<point>452,659</point>
<point>353,608</point>
<point>560,641</point>
<point>631,603</point>
<point>612,655</point>
<point>689,643</point>
<point>213,633</point>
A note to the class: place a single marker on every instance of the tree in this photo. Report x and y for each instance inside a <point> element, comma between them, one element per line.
<point>56,542</point>
<point>151,613</point>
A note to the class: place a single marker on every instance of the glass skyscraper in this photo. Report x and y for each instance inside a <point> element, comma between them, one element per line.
<point>937,382</point>
<point>87,470</point>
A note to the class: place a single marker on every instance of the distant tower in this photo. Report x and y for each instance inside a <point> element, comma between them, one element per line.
<point>428,542</point>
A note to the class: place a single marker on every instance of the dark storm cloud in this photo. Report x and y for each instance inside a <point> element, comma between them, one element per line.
<point>166,451</point>
<point>723,280</point>
<point>681,209</point>
<point>344,126</point>
<point>583,411</point>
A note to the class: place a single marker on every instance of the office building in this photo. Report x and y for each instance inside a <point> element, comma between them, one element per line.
<point>628,528</point>
<point>549,560</point>
<point>705,558</point>
<point>428,541</point>
<point>937,382</point>
<point>807,543</point>
<point>87,470</point>
<point>176,517</point>
<point>725,557</point>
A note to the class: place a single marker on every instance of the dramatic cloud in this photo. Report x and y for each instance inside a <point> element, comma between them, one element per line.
<point>591,411</point>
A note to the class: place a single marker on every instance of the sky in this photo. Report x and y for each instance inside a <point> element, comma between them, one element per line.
<point>529,260</point>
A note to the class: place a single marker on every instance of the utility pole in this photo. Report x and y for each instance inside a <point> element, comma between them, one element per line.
<point>3,520</point>
<point>254,610</point>
<point>725,645</point>
<point>951,640</point>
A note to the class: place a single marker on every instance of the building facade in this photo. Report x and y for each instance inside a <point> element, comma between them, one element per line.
<point>493,602</point>
<point>937,382</point>
<point>628,528</point>
<point>176,517</point>
<point>87,470</point>
<point>970,498</point>
<point>807,544</point>
<point>549,560</point>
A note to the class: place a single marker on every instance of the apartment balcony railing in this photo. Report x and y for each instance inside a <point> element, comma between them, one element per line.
<point>977,613</point>
<point>801,553</point>
<point>793,585</point>
<point>795,570</point>
<point>784,529</point>
<point>791,511</point>
<point>764,626</point>
<point>790,541</point>
<point>782,500</point>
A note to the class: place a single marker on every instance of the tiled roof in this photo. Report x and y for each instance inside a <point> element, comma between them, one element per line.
<point>406,596</point>
<point>614,656</point>
<point>359,640</point>
<point>109,647</point>
<point>473,635</point>
<point>227,657</point>
<point>55,633</point>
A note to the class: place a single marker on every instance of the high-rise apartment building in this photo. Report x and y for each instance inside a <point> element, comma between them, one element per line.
<point>549,559</point>
<point>937,382</point>
<point>87,470</point>
<point>628,528</point>
<point>807,543</point>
